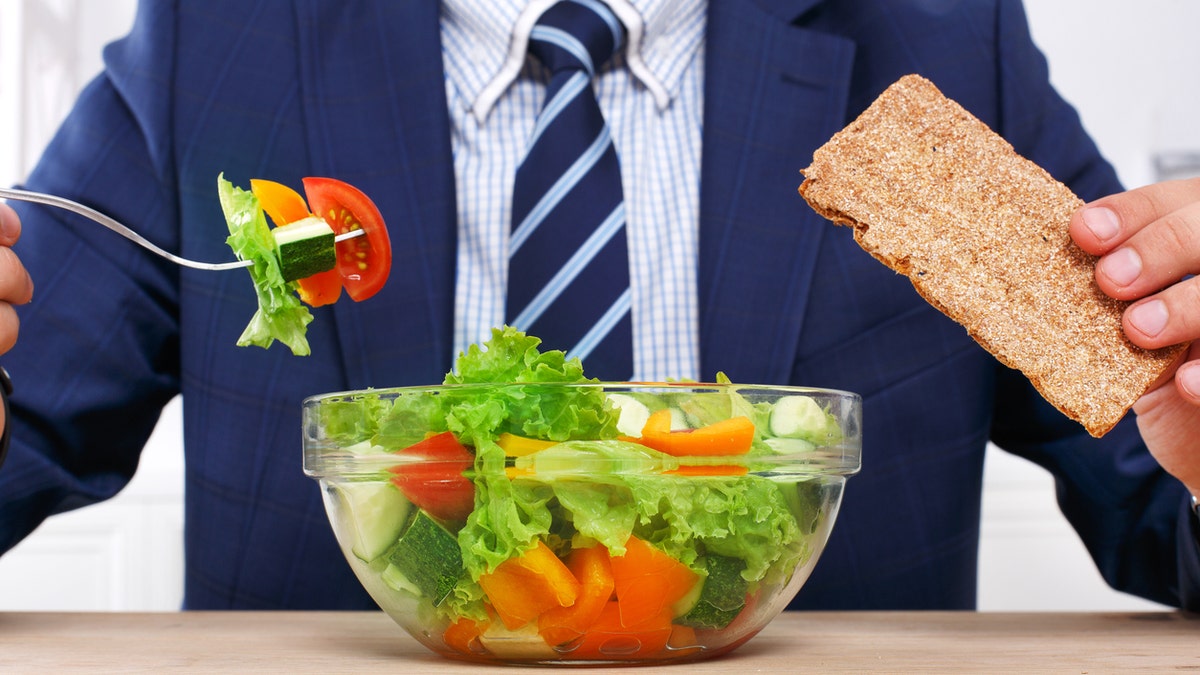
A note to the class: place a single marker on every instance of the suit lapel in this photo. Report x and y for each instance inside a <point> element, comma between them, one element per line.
<point>375,114</point>
<point>773,94</point>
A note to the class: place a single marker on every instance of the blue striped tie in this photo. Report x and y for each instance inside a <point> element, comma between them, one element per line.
<point>568,279</point>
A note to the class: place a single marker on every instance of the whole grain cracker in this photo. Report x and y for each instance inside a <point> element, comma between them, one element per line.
<point>981,232</point>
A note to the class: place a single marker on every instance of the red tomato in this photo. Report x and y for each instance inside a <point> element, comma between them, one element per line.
<point>437,485</point>
<point>284,205</point>
<point>363,262</point>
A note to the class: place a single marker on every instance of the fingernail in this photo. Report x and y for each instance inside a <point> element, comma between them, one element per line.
<point>1122,266</point>
<point>8,229</point>
<point>1149,317</point>
<point>1102,222</point>
<point>1188,377</point>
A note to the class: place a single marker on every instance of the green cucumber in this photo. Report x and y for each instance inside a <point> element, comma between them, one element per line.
<point>394,578</point>
<point>376,513</point>
<point>799,417</point>
<point>372,512</point>
<point>305,248</point>
<point>427,555</point>
<point>722,594</point>
<point>632,414</point>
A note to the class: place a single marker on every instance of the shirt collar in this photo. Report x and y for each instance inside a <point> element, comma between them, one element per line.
<point>491,37</point>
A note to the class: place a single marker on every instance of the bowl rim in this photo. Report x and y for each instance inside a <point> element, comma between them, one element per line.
<point>632,384</point>
<point>842,458</point>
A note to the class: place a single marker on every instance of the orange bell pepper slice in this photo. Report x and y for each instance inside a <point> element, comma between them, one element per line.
<point>700,470</point>
<point>462,634</point>
<point>593,568</point>
<point>611,638</point>
<point>648,581</point>
<point>523,587</point>
<point>731,436</point>
<point>683,640</point>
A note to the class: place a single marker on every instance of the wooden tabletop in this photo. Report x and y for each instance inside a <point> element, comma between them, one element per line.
<point>327,642</point>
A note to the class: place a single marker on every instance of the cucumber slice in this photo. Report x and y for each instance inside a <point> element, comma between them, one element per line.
<point>722,595</point>
<point>632,414</point>
<point>375,513</point>
<point>428,556</point>
<point>305,248</point>
<point>688,602</point>
<point>798,417</point>
<point>790,446</point>
<point>394,578</point>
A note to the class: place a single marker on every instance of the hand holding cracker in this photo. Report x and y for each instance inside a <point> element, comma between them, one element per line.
<point>982,233</point>
<point>1149,241</point>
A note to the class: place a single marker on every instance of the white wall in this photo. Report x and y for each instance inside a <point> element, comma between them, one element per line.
<point>1131,67</point>
<point>1133,71</point>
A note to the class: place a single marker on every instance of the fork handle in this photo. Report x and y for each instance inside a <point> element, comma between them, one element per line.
<point>94,215</point>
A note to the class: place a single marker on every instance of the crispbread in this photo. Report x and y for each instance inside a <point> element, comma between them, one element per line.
<point>981,232</point>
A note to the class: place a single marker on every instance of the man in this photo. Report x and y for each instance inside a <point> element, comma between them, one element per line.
<point>383,96</point>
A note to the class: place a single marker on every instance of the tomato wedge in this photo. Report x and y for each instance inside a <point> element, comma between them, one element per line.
<point>284,205</point>
<point>437,484</point>
<point>363,262</point>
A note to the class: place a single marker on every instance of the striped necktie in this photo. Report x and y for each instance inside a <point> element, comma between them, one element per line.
<point>568,280</point>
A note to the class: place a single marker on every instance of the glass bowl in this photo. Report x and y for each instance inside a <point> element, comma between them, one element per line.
<point>585,524</point>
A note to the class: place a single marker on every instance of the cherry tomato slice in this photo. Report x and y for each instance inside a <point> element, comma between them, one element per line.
<point>284,205</point>
<point>363,262</point>
<point>437,484</point>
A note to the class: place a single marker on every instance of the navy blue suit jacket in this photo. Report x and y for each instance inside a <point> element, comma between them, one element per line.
<point>355,90</point>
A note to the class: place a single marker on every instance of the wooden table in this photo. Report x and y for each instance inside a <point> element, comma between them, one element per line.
<point>328,642</point>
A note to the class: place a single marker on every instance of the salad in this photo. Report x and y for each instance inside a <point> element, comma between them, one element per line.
<point>551,518</point>
<point>299,263</point>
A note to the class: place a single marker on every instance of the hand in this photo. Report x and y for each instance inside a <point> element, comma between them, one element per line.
<point>16,287</point>
<point>1149,240</point>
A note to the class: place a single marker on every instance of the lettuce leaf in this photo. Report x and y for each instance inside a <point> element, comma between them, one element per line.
<point>516,514</point>
<point>740,517</point>
<point>280,315</point>
<point>479,415</point>
<point>610,490</point>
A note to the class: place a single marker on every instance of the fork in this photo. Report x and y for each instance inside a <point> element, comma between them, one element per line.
<point>124,231</point>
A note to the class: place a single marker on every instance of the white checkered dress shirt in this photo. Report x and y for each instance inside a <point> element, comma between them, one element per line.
<point>652,97</point>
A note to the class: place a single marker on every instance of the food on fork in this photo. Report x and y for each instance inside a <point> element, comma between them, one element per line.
<point>981,232</point>
<point>302,256</point>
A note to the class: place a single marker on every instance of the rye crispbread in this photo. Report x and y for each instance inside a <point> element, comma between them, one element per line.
<point>981,232</point>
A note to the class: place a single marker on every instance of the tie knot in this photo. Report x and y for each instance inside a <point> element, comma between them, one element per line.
<point>576,35</point>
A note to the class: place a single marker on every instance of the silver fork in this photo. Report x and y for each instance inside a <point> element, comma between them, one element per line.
<point>93,214</point>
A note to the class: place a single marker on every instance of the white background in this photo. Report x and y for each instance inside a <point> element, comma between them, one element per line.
<point>1131,67</point>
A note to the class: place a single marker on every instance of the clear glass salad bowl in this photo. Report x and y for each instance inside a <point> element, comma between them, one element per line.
<point>582,523</point>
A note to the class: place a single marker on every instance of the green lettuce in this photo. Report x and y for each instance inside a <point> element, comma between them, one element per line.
<point>515,513</point>
<point>478,415</point>
<point>610,490</point>
<point>740,517</point>
<point>280,315</point>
